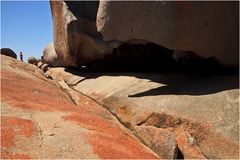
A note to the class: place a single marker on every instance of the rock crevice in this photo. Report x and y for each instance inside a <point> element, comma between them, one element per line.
<point>167,124</point>
<point>130,115</point>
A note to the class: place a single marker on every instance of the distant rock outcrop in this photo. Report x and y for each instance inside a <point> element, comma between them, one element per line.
<point>50,57</point>
<point>8,52</point>
<point>32,60</point>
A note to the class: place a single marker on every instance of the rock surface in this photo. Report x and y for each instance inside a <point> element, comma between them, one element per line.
<point>200,109</point>
<point>209,29</point>
<point>8,52</point>
<point>161,141</point>
<point>206,106</point>
<point>188,146</point>
<point>87,31</point>
<point>50,57</point>
<point>36,114</point>
<point>76,39</point>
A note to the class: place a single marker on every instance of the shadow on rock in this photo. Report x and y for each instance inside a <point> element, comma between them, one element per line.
<point>189,76</point>
<point>193,86</point>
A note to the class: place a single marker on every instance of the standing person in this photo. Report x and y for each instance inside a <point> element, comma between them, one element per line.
<point>21,56</point>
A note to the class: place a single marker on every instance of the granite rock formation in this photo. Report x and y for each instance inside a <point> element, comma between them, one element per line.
<point>88,31</point>
<point>49,56</point>
<point>192,116</point>
<point>76,39</point>
<point>209,29</point>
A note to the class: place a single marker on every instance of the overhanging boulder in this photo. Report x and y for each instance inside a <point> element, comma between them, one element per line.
<point>86,31</point>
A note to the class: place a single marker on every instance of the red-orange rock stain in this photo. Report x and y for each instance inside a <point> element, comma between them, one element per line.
<point>13,126</point>
<point>8,155</point>
<point>108,140</point>
<point>20,156</point>
<point>29,94</point>
<point>7,137</point>
<point>25,127</point>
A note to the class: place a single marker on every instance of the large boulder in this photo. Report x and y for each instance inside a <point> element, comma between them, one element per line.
<point>50,57</point>
<point>87,31</point>
<point>209,29</point>
<point>8,52</point>
<point>76,39</point>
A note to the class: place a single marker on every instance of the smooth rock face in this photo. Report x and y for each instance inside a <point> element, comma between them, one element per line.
<point>49,56</point>
<point>209,29</point>
<point>161,141</point>
<point>76,39</point>
<point>8,52</point>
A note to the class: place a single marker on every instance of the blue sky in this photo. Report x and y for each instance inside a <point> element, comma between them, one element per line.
<point>26,26</point>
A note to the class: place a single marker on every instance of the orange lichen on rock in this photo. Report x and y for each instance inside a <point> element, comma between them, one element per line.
<point>26,93</point>
<point>21,138</point>
<point>7,155</point>
<point>11,127</point>
<point>108,140</point>
<point>120,146</point>
<point>92,122</point>
<point>19,156</point>
<point>7,137</point>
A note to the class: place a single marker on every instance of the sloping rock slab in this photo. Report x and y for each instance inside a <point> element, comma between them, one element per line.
<point>39,121</point>
<point>206,106</point>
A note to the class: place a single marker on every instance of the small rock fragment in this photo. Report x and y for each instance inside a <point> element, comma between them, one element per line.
<point>39,64</point>
<point>188,146</point>
<point>44,67</point>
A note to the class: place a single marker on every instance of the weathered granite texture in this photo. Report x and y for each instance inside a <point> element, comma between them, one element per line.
<point>76,39</point>
<point>86,31</point>
<point>209,29</point>
<point>41,121</point>
<point>205,106</point>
